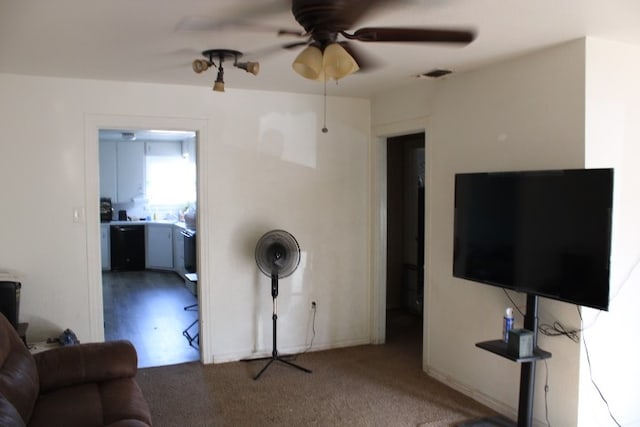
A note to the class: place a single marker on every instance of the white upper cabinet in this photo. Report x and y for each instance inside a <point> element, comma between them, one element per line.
<point>108,170</point>
<point>131,170</point>
<point>122,170</point>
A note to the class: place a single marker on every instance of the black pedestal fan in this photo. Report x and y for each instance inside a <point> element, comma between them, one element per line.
<point>277,256</point>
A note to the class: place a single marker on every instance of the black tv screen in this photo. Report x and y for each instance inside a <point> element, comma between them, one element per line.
<point>546,233</point>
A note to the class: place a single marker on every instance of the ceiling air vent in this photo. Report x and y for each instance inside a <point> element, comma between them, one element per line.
<point>434,74</point>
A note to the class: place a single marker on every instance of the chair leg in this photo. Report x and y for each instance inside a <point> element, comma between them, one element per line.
<point>191,338</point>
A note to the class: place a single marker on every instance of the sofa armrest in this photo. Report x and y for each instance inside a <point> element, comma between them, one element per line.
<point>83,363</point>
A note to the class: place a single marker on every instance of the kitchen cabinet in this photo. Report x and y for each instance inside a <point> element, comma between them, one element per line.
<point>105,246</point>
<point>130,163</point>
<point>122,170</point>
<point>108,170</point>
<point>159,244</point>
<point>178,251</point>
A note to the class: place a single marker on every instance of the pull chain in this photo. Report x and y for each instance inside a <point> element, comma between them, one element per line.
<point>324,126</point>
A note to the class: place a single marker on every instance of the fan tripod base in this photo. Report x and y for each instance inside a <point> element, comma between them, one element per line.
<point>277,358</point>
<point>274,354</point>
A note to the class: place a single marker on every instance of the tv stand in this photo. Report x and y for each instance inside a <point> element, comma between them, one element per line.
<point>528,368</point>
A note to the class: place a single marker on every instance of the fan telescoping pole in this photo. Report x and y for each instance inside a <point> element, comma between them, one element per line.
<point>274,354</point>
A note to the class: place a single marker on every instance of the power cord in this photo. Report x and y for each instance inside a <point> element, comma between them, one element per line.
<point>554,330</point>
<point>546,393</point>
<point>313,330</point>
<point>586,350</point>
<point>512,302</point>
<point>557,329</point>
<point>313,333</point>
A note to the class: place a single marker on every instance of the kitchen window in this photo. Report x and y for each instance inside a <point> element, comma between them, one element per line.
<point>171,180</point>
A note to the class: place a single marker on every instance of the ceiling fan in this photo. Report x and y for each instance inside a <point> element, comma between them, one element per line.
<point>327,29</point>
<point>325,21</point>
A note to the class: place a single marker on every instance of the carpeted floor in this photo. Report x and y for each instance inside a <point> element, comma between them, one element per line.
<point>368,385</point>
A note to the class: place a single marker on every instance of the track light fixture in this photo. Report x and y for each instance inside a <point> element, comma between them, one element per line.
<point>201,65</point>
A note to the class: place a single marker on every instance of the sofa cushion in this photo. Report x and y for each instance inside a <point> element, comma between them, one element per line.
<point>90,362</point>
<point>69,406</point>
<point>123,400</point>
<point>8,414</point>
<point>19,381</point>
<point>112,403</point>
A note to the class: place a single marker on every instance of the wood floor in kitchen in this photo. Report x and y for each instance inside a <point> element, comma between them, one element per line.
<point>147,308</point>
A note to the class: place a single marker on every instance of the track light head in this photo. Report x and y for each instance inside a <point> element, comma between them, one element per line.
<point>249,67</point>
<point>218,86</point>
<point>200,65</point>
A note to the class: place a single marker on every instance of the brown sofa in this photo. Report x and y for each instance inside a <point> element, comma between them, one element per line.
<point>83,385</point>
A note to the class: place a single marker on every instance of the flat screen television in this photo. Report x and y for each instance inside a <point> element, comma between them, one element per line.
<point>546,233</point>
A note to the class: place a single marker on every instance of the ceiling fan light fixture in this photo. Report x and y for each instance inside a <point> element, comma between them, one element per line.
<point>309,62</point>
<point>337,62</point>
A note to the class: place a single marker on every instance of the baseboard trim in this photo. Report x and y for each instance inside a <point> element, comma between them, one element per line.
<point>473,393</point>
<point>238,356</point>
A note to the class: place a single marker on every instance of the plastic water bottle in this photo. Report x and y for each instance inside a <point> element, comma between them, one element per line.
<point>507,323</point>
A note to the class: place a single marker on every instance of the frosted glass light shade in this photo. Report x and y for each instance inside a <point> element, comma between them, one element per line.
<point>218,86</point>
<point>309,63</point>
<point>249,67</point>
<point>337,63</point>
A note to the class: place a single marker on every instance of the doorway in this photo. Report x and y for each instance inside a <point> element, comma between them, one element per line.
<point>148,181</point>
<point>405,237</point>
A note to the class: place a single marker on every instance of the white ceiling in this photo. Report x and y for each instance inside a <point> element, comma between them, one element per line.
<point>142,40</point>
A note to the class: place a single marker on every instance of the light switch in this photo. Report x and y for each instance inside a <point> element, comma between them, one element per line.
<point>78,214</point>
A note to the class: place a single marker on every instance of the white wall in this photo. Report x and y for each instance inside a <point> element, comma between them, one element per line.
<point>612,135</point>
<point>263,164</point>
<point>525,113</point>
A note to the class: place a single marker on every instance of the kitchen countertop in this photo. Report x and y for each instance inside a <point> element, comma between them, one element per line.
<point>143,222</point>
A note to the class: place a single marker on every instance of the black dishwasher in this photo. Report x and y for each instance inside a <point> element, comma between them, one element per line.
<point>127,247</point>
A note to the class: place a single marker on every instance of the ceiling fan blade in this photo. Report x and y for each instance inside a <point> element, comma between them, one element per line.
<point>295,45</point>
<point>352,11</point>
<point>294,33</point>
<point>235,17</point>
<point>203,24</point>
<point>262,53</point>
<point>419,35</point>
<point>365,61</point>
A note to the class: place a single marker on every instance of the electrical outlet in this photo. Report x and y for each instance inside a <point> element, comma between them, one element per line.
<point>313,305</point>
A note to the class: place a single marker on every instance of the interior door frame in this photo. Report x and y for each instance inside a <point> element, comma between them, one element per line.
<point>95,122</point>
<point>380,135</point>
